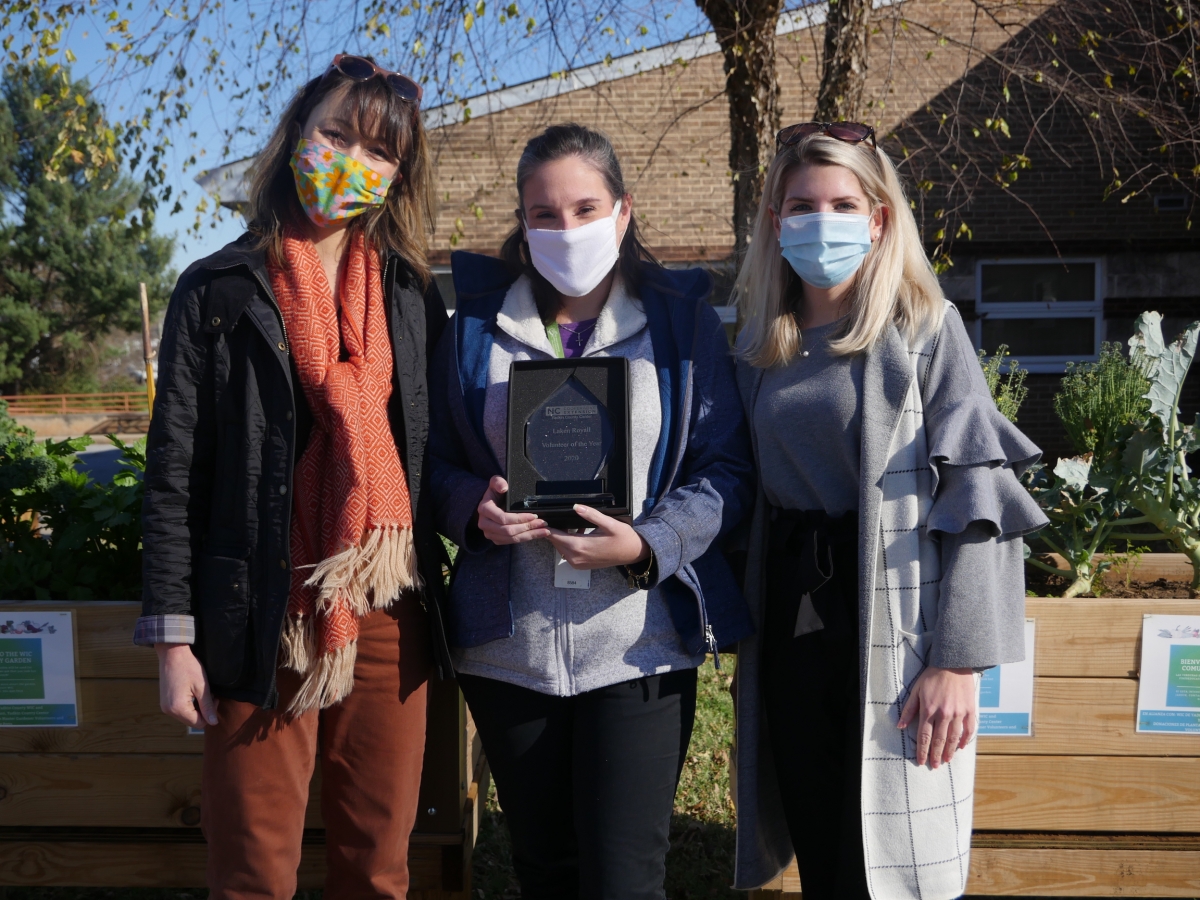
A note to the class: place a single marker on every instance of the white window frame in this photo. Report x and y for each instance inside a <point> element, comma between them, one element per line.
<point>1094,310</point>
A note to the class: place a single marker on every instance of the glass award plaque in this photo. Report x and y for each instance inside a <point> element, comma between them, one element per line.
<point>568,438</point>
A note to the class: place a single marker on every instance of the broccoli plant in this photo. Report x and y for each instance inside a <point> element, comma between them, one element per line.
<point>1085,506</point>
<point>1161,485</point>
<point>1008,392</point>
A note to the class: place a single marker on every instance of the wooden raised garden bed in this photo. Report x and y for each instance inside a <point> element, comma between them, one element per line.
<point>1086,807</point>
<point>115,801</point>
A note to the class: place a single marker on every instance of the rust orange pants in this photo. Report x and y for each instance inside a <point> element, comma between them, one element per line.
<point>258,764</point>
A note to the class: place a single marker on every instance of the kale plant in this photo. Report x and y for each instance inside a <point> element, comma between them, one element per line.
<point>1160,482</point>
<point>62,535</point>
<point>1084,505</point>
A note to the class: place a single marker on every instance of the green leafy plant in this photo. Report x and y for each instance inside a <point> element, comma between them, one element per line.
<point>1083,511</point>
<point>1098,400</point>
<point>1008,389</point>
<point>62,535</point>
<point>1160,482</point>
<point>1087,499</point>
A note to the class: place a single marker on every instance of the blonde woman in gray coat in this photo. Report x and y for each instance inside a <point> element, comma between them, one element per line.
<point>885,568</point>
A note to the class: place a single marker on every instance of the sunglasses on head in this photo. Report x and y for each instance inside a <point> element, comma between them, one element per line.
<point>361,69</point>
<point>850,132</point>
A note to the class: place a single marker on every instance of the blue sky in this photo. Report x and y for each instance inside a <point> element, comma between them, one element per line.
<point>460,62</point>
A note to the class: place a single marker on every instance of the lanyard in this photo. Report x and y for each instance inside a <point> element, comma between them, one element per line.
<point>555,338</point>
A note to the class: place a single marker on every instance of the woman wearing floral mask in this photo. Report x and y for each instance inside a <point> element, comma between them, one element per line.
<point>584,688</point>
<point>287,540</point>
<point>885,558</point>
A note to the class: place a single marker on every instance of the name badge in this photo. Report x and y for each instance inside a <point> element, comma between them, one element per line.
<point>567,577</point>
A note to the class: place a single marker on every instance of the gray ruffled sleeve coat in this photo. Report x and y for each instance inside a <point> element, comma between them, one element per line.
<point>937,459</point>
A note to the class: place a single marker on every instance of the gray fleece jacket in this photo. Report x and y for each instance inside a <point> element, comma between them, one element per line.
<point>567,641</point>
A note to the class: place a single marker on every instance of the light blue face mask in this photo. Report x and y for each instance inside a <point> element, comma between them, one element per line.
<point>825,249</point>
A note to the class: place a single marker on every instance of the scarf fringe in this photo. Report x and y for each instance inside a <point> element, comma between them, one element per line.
<point>331,679</point>
<point>369,575</point>
<point>299,643</point>
<point>366,577</point>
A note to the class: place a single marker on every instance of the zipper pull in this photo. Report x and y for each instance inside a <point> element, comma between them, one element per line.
<point>710,642</point>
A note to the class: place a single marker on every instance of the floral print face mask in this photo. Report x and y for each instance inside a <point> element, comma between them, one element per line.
<point>332,186</point>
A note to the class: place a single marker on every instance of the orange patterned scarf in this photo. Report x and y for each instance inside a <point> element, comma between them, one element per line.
<point>351,540</point>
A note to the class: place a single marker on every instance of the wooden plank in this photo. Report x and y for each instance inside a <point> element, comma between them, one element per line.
<point>1084,873</point>
<point>104,637</point>
<point>1088,716</point>
<point>118,715</point>
<point>177,865</point>
<point>120,791</point>
<point>94,790</point>
<point>1082,638</point>
<point>1085,793</point>
<point>1057,873</point>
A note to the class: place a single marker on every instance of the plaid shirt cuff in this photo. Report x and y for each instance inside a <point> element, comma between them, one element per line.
<point>165,630</point>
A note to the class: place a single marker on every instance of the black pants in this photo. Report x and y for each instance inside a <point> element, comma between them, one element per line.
<point>811,697</point>
<point>587,783</point>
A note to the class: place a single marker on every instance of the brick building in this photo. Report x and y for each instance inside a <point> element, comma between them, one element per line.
<point>1052,284</point>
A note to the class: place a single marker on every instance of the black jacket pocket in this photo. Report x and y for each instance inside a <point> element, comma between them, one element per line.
<point>223,604</point>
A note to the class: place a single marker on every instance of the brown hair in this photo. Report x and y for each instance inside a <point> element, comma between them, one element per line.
<point>559,142</point>
<point>401,225</point>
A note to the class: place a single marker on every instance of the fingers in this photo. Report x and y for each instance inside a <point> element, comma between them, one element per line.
<point>595,517</point>
<point>937,745</point>
<point>502,527</point>
<point>970,724</point>
<point>517,533</point>
<point>206,701</point>
<point>498,485</point>
<point>911,708</point>
<point>180,705</point>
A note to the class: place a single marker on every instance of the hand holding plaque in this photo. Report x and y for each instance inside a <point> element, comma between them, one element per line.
<point>568,438</point>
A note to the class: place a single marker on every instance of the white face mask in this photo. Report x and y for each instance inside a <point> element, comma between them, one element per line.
<point>576,260</point>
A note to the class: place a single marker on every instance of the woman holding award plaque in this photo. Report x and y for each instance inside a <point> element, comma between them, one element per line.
<point>885,563</point>
<point>288,546</point>
<point>581,376</point>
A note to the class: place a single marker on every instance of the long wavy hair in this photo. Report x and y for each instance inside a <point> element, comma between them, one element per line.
<point>402,223</point>
<point>895,283</point>
<point>595,149</point>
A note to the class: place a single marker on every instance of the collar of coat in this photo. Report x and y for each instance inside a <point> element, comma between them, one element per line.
<point>620,318</point>
<point>669,300</point>
<point>242,257</point>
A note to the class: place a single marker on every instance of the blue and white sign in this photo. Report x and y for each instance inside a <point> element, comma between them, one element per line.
<point>1006,695</point>
<point>1169,686</point>
<point>37,670</point>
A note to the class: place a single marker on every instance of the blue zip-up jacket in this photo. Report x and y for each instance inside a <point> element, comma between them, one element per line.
<point>701,476</point>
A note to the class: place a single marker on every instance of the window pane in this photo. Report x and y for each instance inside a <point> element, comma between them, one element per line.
<point>1041,337</point>
<point>1048,282</point>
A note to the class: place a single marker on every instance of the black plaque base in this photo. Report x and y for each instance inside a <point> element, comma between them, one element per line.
<point>557,455</point>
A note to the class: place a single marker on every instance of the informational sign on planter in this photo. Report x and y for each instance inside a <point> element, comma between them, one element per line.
<point>1169,690</point>
<point>1006,695</point>
<point>37,670</point>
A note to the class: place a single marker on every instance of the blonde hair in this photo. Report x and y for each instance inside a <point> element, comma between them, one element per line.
<point>895,283</point>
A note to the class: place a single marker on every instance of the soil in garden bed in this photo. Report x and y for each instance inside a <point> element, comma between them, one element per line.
<point>1043,584</point>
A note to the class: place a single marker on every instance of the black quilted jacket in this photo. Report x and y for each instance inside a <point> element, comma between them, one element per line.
<point>230,421</point>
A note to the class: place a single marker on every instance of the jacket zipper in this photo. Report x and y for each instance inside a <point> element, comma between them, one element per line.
<point>269,294</point>
<point>710,639</point>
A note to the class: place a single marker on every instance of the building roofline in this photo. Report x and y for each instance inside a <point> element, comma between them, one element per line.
<point>227,182</point>
<point>613,69</point>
